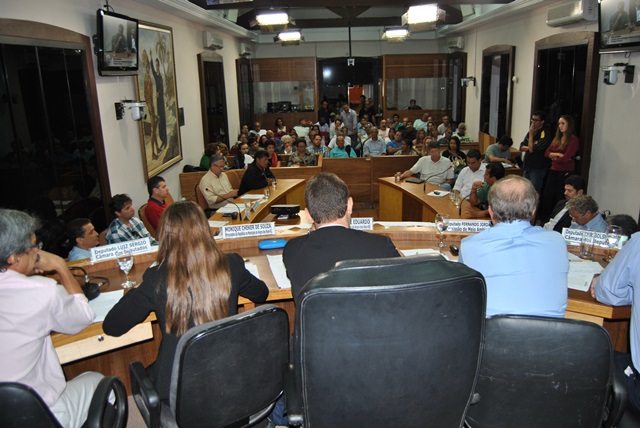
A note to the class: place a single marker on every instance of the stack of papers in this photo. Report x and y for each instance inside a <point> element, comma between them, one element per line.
<point>581,274</point>
<point>279,272</point>
<point>102,304</point>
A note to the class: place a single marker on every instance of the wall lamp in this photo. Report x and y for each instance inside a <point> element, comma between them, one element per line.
<point>136,107</point>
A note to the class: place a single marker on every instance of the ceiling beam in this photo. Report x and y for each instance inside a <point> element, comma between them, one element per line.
<point>277,4</point>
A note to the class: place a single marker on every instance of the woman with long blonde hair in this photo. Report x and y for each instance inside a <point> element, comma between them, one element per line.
<point>561,151</point>
<point>192,282</point>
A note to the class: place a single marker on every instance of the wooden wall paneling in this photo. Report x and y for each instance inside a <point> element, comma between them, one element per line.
<point>355,172</point>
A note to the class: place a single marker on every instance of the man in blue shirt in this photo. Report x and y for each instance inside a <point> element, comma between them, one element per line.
<point>83,236</point>
<point>584,214</point>
<point>616,286</point>
<point>525,267</point>
<point>374,146</point>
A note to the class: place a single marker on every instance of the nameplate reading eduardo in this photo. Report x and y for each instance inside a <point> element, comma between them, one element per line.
<point>120,249</point>
<point>248,230</point>
<point>361,223</point>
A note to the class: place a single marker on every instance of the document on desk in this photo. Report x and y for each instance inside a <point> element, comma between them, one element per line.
<point>102,304</point>
<point>405,223</point>
<point>218,224</point>
<point>581,274</point>
<point>229,208</point>
<point>252,196</point>
<point>421,251</point>
<point>279,271</point>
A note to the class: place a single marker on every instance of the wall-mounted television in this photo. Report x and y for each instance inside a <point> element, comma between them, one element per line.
<point>116,44</point>
<point>619,25</point>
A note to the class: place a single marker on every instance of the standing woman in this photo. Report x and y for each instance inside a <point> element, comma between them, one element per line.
<point>562,150</point>
<point>192,283</point>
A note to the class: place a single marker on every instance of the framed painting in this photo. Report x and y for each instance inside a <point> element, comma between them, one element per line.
<point>156,85</point>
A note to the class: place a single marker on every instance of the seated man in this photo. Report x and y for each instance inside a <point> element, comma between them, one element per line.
<point>584,214</point>
<point>525,267</point>
<point>433,168</point>
<point>258,174</point>
<point>347,140</point>
<point>625,222</point>
<point>33,306</point>
<point>421,123</point>
<point>573,185</point>
<point>316,147</point>
<point>462,134</point>
<point>215,185</point>
<point>302,129</point>
<point>479,193</point>
<point>83,235</point>
<point>395,145</point>
<point>342,150</point>
<point>474,171</point>
<point>374,146</point>
<point>158,192</point>
<point>617,286</point>
<point>125,227</point>
<point>500,151</point>
<point>329,206</point>
<point>444,125</point>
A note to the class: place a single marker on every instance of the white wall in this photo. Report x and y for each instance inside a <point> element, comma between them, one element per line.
<point>615,150</point>
<point>122,138</point>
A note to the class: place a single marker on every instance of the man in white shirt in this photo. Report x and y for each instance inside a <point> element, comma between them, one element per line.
<point>340,132</point>
<point>421,123</point>
<point>374,146</point>
<point>474,171</point>
<point>434,168</point>
<point>215,185</point>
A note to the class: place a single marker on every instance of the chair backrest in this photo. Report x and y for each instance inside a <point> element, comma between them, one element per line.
<point>200,198</point>
<point>542,372</point>
<point>389,343</point>
<point>21,406</point>
<point>230,369</point>
<point>234,177</point>
<point>102,238</point>
<point>143,216</point>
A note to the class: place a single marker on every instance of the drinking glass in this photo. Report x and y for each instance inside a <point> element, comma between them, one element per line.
<point>614,233</point>
<point>456,199</point>
<point>125,263</point>
<point>452,196</point>
<point>442,223</point>
<point>586,247</point>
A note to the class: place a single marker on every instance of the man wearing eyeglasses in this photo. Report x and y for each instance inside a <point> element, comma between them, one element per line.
<point>125,227</point>
<point>583,210</point>
<point>215,186</point>
<point>31,307</point>
<point>536,164</point>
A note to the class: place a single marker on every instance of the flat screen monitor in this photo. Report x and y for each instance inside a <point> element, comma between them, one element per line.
<point>619,25</point>
<point>116,44</point>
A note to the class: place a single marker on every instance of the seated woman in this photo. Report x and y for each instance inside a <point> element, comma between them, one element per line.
<point>209,151</point>
<point>406,149</point>
<point>192,283</point>
<point>457,157</point>
<point>242,159</point>
<point>418,143</point>
<point>273,157</point>
<point>280,130</point>
<point>301,157</point>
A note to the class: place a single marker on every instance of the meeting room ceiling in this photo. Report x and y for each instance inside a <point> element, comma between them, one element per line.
<point>327,14</point>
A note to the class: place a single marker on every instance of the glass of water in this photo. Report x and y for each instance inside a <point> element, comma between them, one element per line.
<point>125,263</point>
<point>442,223</point>
<point>614,233</point>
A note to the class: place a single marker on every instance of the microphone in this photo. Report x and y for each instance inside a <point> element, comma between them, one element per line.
<point>433,175</point>
<point>228,200</point>
<point>461,201</point>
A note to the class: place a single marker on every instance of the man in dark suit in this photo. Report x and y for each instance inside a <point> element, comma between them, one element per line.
<point>573,185</point>
<point>329,206</point>
<point>258,175</point>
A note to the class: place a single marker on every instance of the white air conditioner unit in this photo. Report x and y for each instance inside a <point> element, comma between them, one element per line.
<point>212,40</point>
<point>572,12</point>
<point>455,42</point>
<point>245,49</point>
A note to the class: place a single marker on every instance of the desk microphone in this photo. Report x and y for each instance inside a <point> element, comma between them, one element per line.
<point>234,217</point>
<point>461,201</point>
<point>424,187</point>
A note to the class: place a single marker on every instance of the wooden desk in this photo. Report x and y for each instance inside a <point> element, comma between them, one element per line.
<point>406,201</point>
<point>287,191</point>
<point>115,360</point>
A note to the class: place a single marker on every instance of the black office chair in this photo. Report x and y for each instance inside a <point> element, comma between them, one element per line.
<point>21,406</point>
<point>225,372</point>
<point>546,372</point>
<point>387,343</point>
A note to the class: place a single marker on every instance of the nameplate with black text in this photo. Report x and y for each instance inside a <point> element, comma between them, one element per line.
<point>248,230</point>
<point>361,223</point>
<point>120,249</point>
<point>468,225</point>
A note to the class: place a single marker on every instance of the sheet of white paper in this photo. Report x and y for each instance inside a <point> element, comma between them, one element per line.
<point>574,258</point>
<point>440,194</point>
<point>229,208</point>
<point>581,274</point>
<point>279,271</point>
<point>104,302</point>
<point>416,251</point>
<point>251,196</point>
<point>251,267</point>
<point>405,224</point>
<point>214,223</point>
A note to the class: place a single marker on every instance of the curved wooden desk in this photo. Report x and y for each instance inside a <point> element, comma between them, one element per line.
<point>87,351</point>
<point>406,201</point>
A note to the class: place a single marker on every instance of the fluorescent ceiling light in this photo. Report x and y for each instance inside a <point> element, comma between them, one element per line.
<point>289,36</point>
<point>395,33</point>
<point>422,13</point>
<point>274,18</point>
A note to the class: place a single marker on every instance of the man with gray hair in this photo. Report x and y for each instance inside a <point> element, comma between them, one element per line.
<point>31,307</point>
<point>525,267</point>
<point>215,186</point>
<point>584,214</point>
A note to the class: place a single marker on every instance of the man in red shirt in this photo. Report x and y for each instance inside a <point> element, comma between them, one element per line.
<point>158,192</point>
